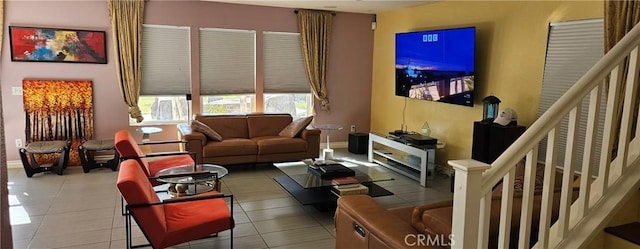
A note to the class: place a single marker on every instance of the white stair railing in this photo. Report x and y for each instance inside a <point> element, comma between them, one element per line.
<point>577,221</point>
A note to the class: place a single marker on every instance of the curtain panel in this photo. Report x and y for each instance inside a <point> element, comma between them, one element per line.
<point>619,18</point>
<point>315,36</point>
<point>126,23</point>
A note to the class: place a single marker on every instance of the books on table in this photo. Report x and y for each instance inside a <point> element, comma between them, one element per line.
<point>344,180</point>
<point>348,186</point>
<point>358,189</point>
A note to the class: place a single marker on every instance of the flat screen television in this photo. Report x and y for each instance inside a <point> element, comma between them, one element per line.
<point>436,65</point>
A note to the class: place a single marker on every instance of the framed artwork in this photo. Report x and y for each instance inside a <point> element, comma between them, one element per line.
<point>58,110</point>
<point>57,45</point>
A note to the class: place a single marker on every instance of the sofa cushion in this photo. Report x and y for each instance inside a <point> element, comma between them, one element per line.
<point>228,126</point>
<point>261,125</point>
<point>295,127</point>
<point>206,130</point>
<point>230,147</point>
<point>279,144</point>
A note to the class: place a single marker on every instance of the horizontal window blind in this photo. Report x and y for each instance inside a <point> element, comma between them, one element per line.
<point>573,48</point>
<point>284,70</point>
<point>227,61</point>
<point>165,60</point>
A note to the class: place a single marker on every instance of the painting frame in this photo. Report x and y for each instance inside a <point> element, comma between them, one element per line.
<point>39,44</point>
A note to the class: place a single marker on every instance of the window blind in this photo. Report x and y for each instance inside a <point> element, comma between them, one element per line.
<point>573,48</point>
<point>165,60</point>
<point>284,70</point>
<point>227,61</point>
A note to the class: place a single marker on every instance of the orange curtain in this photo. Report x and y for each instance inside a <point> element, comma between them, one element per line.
<point>315,36</point>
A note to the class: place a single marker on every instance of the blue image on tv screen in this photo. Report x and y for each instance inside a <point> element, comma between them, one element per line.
<point>436,65</point>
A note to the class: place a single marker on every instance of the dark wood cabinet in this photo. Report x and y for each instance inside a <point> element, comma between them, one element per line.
<point>490,140</point>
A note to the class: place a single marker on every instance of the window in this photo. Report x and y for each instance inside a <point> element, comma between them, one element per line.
<point>227,70</point>
<point>572,48</point>
<point>163,109</point>
<point>298,105</point>
<point>238,103</point>
<point>166,74</point>
<point>286,86</point>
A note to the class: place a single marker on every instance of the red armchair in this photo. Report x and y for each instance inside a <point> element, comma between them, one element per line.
<point>173,221</point>
<point>128,148</point>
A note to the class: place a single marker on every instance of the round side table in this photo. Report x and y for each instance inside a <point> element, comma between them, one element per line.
<point>186,184</point>
<point>327,153</point>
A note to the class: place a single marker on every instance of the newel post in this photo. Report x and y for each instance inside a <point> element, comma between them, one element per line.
<point>466,202</point>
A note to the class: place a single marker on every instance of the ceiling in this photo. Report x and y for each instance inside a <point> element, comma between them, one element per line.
<point>356,6</point>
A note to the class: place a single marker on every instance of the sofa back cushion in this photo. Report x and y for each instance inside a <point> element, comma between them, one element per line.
<point>228,126</point>
<point>261,124</point>
<point>296,127</point>
<point>210,133</point>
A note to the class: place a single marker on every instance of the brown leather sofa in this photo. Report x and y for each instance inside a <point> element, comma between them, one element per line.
<point>249,138</point>
<point>362,223</point>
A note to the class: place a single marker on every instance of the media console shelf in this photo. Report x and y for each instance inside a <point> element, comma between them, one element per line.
<point>414,161</point>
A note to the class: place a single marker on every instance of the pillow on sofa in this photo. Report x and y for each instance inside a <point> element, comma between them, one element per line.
<point>295,127</point>
<point>206,130</point>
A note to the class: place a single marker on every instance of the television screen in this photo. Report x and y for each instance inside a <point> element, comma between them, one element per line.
<point>436,65</point>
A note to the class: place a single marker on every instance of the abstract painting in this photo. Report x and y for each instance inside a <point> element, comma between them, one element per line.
<point>57,45</point>
<point>58,110</point>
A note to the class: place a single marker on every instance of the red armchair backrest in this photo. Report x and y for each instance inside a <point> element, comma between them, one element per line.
<point>127,147</point>
<point>135,188</point>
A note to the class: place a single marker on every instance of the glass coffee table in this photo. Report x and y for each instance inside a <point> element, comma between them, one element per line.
<point>305,184</point>
<point>187,180</point>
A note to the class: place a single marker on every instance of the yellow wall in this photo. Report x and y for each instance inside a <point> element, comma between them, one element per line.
<point>510,51</point>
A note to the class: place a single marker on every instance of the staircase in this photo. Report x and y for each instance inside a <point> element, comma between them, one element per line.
<point>607,191</point>
<point>623,231</point>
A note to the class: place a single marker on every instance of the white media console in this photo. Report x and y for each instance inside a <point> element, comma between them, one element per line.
<point>414,161</point>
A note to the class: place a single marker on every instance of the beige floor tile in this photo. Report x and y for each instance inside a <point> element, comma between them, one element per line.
<point>27,229</point>
<point>120,244</point>
<point>21,243</point>
<point>120,234</point>
<point>262,195</point>
<point>102,245</point>
<point>287,223</point>
<point>240,217</point>
<point>275,213</point>
<point>317,244</point>
<point>296,236</point>
<point>76,239</point>
<point>32,210</point>
<point>240,230</point>
<point>246,242</point>
<point>269,203</point>
<point>64,229</point>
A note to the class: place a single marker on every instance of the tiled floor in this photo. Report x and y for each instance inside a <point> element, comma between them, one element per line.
<point>78,210</point>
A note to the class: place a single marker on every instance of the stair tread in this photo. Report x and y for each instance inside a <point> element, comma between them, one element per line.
<point>628,232</point>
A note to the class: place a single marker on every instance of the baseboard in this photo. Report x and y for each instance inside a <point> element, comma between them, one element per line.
<point>335,145</point>
<point>14,164</point>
